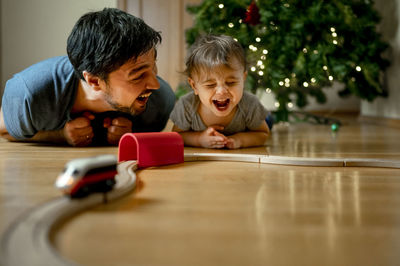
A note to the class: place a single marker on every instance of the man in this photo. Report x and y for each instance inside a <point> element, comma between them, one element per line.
<point>106,87</point>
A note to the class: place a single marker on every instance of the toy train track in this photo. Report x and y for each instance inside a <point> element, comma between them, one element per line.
<point>30,232</point>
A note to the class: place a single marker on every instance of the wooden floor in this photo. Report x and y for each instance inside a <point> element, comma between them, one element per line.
<point>229,213</point>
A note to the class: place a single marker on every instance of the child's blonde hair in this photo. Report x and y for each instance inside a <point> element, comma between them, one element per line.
<point>210,51</point>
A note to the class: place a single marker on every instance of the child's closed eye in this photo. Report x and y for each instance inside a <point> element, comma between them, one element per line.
<point>210,86</point>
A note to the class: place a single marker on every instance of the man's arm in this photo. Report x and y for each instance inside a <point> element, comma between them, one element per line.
<point>77,132</point>
<point>3,130</point>
<point>41,136</point>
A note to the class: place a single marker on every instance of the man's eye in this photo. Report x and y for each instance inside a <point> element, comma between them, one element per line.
<point>231,83</point>
<point>138,78</point>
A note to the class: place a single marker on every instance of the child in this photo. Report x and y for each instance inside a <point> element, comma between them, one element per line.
<point>218,113</point>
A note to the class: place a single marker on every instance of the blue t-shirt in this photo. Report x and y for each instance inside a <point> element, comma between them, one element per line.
<point>40,98</point>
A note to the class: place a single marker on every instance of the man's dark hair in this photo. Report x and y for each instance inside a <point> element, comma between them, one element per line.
<point>102,41</point>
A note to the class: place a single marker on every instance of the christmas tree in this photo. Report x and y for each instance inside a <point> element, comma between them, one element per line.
<point>296,47</point>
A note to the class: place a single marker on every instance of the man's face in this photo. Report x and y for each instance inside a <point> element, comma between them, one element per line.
<point>129,87</point>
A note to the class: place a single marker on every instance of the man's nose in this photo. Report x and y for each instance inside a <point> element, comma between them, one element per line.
<point>152,82</point>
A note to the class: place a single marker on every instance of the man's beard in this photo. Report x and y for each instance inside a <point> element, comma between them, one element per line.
<point>116,106</point>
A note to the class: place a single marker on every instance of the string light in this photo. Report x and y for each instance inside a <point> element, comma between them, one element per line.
<point>252,47</point>
<point>330,78</point>
<point>263,57</point>
<point>287,85</point>
<point>277,104</point>
<point>305,84</point>
<point>258,39</point>
<point>259,63</point>
<point>325,68</point>
<point>358,68</point>
<point>260,73</point>
<point>315,52</point>
<point>313,80</point>
<point>305,50</point>
<point>240,21</point>
<point>334,34</point>
<point>268,90</point>
<point>265,51</point>
<point>290,105</point>
<point>235,39</point>
<point>262,66</point>
<point>334,42</point>
<point>253,68</point>
<point>281,83</point>
<point>287,80</point>
<point>221,6</point>
<point>230,25</point>
<point>333,29</point>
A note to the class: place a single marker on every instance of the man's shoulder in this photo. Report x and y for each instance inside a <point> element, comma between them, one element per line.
<point>59,64</point>
<point>47,73</point>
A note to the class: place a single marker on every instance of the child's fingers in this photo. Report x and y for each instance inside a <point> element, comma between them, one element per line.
<point>217,127</point>
<point>217,142</point>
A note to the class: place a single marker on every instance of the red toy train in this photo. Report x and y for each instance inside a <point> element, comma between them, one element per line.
<point>81,177</point>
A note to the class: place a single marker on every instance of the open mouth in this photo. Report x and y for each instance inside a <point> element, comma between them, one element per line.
<point>142,98</point>
<point>221,105</point>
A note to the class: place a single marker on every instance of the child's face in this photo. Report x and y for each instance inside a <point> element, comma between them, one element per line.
<point>221,88</point>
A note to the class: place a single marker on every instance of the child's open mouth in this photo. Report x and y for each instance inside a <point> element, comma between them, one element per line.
<point>221,105</point>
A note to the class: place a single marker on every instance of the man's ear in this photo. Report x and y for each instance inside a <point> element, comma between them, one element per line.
<point>192,84</point>
<point>92,80</point>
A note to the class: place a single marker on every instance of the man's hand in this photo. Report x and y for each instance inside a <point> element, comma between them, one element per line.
<point>116,128</point>
<point>211,138</point>
<point>79,132</point>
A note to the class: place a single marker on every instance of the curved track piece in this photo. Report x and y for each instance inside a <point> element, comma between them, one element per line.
<point>27,242</point>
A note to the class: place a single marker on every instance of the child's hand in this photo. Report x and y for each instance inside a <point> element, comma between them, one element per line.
<point>211,138</point>
<point>232,143</point>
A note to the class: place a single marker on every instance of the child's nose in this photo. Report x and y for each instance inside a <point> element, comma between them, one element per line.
<point>221,89</point>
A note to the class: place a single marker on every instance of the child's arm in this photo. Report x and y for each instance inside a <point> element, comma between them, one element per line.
<point>256,137</point>
<point>209,138</point>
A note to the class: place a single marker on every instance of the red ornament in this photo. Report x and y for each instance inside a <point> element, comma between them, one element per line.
<point>252,14</point>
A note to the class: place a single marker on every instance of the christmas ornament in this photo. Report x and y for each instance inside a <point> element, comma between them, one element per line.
<point>252,14</point>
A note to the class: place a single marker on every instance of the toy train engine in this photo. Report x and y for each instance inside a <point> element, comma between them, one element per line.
<point>81,177</point>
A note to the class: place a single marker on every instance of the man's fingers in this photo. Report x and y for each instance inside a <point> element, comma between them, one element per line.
<point>122,122</point>
<point>107,122</point>
<point>88,115</point>
<point>80,122</point>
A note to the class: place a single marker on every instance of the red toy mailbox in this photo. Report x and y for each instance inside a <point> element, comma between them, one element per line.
<point>151,149</point>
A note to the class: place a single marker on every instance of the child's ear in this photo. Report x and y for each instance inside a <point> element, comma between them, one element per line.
<point>192,84</point>
<point>92,80</point>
